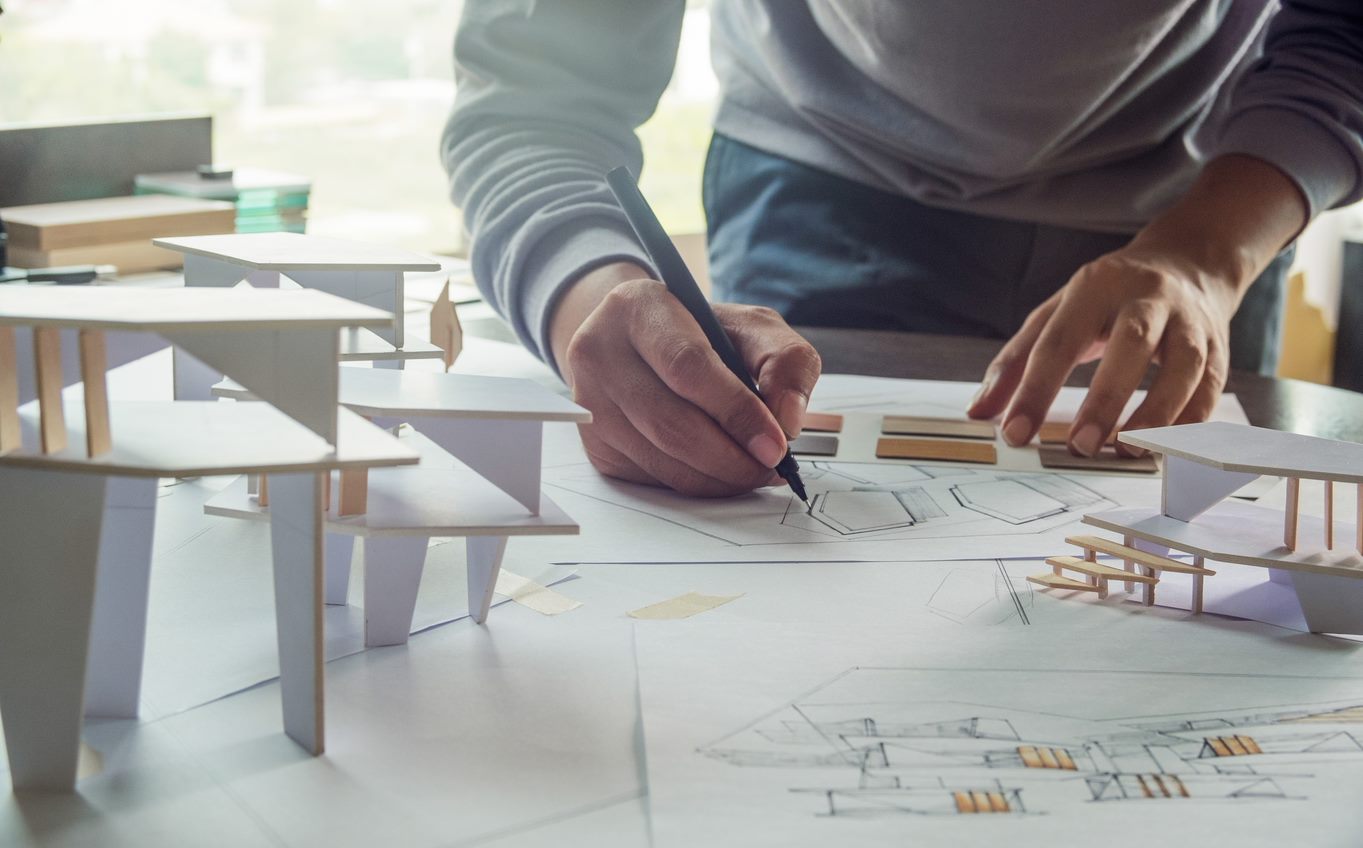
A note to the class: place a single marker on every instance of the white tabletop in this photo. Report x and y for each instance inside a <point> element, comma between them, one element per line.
<point>182,309</point>
<point>298,252</point>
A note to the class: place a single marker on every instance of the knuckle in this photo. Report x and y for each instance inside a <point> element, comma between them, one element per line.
<point>1189,349</point>
<point>1140,325</point>
<point>685,364</point>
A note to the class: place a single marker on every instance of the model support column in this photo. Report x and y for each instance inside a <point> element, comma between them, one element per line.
<point>296,539</point>
<point>1329,514</point>
<point>1290,513</point>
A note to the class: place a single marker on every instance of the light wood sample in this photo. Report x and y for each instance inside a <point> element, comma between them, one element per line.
<point>1059,456</point>
<point>941,449</point>
<point>912,425</point>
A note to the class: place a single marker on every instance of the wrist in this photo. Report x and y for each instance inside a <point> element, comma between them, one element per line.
<point>1230,225</point>
<point>579,300</point>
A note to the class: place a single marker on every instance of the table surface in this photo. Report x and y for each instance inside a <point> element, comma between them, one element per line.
<point>1268,401</point>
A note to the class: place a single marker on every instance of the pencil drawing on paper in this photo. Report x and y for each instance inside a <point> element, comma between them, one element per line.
<point>875,742</point>
<point>867,502</point>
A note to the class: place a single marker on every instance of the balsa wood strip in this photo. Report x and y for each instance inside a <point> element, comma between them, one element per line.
<point>1329,514</point>
<point>47,357</point>
<point>93,367</point>
<point>822,422</point>
<point>354,499</point>
<point>914,425</point>
<point>937,449</point>
<point>1290,513</point>
<point>11,436</point>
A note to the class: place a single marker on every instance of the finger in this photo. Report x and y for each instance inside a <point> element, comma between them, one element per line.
<point>1064,339</point>
<point>677,428</point>
<point>672,344</point>
<point>665,469</point>
<point>1208,392</point>
<point>1004,373</point>
<point>1135,335</point>
<point>1183,361</point>
<point>785,366</point>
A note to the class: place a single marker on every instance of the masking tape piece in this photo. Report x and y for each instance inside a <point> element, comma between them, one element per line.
<point>530,594</point>
<point>682,606</point>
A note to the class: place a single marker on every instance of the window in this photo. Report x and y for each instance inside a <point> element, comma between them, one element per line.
<point>349,92</point>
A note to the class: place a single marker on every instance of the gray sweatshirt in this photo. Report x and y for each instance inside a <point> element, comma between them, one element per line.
<point>1093,115</point>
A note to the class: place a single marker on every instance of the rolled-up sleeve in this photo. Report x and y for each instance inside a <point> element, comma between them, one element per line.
<point>1300,106</point>
<point>549,95</point>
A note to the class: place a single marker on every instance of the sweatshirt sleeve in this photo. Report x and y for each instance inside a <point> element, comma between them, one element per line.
<point>549,94</point>
<point>1300,106</point>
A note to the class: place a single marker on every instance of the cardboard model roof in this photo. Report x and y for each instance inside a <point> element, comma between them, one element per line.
<point>181,309</point>
<point>1257,450</point>
<point>431,394</point>
<point>201,438</point>
<point>296,251</point>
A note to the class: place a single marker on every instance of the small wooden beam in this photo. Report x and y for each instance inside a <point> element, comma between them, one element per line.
<point>1358,520</point>
<point>354,491</point>
<point>1290,513</point>
<point>954,450</point>
<point>446,333</point>
<point>263,491</point>
<point>47,356</point>
<point>93,365</point>
<point>1197,585</point>
<point>1329,514</point>
<point>11,437</point>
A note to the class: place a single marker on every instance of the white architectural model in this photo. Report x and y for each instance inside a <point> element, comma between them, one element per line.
<point>77,509</point>
<point>483,484</point>
<point>368,274</point>
<point>1203,465</point>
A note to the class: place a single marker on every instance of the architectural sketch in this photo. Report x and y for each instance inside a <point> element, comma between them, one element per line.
<point>874,742</point>
<point>873,502</point>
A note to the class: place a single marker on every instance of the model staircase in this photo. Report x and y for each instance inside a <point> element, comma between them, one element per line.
<point>1142,567</point>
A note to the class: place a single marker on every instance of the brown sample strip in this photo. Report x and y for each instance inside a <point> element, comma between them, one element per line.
<point>911,425</point>
<point>1059,456</point>
<point>823,422</point>
<point>952,450</point>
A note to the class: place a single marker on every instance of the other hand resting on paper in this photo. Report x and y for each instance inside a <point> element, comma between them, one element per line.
<point>1167,297</point>
<point>665,410</point>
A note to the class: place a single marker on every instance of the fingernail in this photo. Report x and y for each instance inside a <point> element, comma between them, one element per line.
<point>765,450</point>
<point>1018,431</point>
<point>1088,440</point>
<point>792,413</point>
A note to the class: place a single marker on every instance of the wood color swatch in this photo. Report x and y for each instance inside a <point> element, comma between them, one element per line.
<point>1059,456</point>
<point>814,444</point>
<point>952,450</point>
<point>93,365</point>
<point>1058,433</point>
<point>823,422</point>
<point>910,425</point>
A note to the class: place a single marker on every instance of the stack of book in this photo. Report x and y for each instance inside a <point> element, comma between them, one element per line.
<point>267,201</point>
<point>110,231</point>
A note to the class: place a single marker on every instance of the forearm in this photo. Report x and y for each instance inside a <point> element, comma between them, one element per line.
<point>1234,220</point>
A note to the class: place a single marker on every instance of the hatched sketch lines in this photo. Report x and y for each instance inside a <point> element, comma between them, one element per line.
<point>875,742</point>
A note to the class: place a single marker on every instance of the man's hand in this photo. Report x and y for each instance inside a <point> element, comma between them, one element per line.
<point>1167,297</point>
<point>665,410</point>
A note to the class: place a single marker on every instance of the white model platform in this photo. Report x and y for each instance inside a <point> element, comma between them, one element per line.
<point>297,252</point>
<point>361,345</point>
<point>1205,463</point>
<point>429,394</point>
<point>178,310</point>
<point>1256,450</point>
<point>203,438</point>
<point>420,501</point>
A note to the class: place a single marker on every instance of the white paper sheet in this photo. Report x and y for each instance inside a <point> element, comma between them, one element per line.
<point>853,734</point>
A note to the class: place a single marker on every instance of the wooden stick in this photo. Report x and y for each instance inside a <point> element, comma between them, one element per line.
<point>1329,514</point>
<point>11,437</point>
<point>1290,515</point>
<point>47,355</point>
<point>1197,585</point>
<point>354,491</point>
<point>1358,520</point>
<point>263,491</point>
<point>93,365</point>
